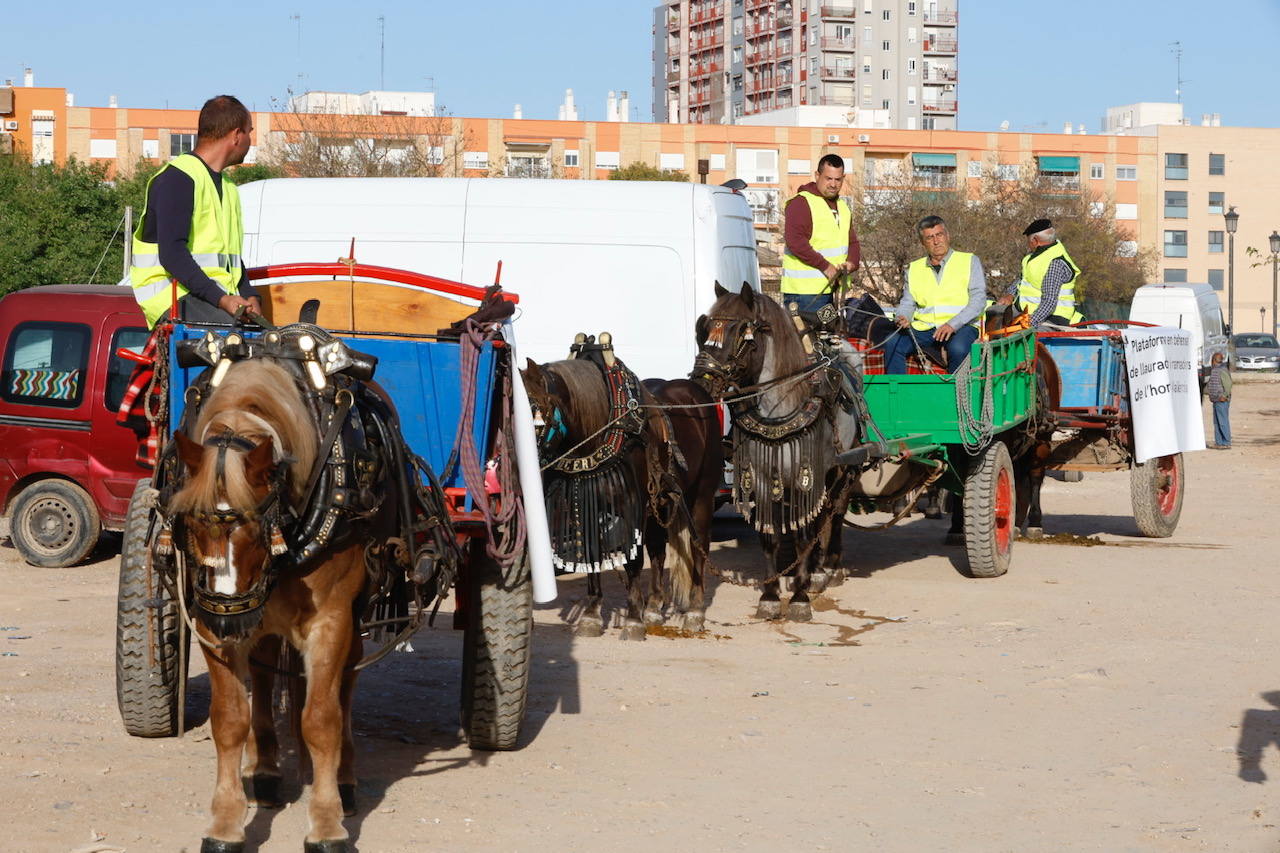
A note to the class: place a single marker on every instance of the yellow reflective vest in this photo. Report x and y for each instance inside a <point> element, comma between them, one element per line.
<point>215,239</point>
<point>939,298</point>
<point>1033,272</point>
<point>830,239</point>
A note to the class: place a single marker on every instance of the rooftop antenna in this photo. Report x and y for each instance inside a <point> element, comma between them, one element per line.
<point>1176,49</point>
<point>297,16</point>
<point>382,52</point>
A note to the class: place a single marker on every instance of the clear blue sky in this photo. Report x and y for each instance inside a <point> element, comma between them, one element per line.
<point>482,58</point>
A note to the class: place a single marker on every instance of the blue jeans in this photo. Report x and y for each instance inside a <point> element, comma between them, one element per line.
<point>904,343</point>
<point>1222,423</point>
<point>807,302</point>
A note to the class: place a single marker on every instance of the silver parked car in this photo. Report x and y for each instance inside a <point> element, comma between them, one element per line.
<point>1255,352</point>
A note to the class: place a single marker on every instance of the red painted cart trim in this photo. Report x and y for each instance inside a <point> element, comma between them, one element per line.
<point>369,271</point>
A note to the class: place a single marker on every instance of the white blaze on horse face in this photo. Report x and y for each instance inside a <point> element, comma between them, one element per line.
<point>224,570</point>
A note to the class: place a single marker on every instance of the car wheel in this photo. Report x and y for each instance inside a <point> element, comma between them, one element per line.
<point>54,524</point>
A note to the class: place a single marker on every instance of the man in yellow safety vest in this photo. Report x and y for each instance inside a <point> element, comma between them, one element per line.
<point>822,245</point>
<point>942,299</point>
<point>190,231</point>
<point>1047,288</point>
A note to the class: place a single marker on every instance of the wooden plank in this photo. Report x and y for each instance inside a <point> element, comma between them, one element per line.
<point>363,306</point>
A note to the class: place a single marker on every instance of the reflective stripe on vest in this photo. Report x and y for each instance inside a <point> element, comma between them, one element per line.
<point>214,241</point>
<point>1034,270</point>
<point>830,238</point>
<point>939,298</point>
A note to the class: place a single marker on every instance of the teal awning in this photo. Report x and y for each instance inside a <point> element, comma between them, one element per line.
<point>1060,164</point>
<point>934,160</point>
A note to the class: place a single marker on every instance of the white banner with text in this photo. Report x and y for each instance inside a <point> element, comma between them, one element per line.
<point>1164,393</point>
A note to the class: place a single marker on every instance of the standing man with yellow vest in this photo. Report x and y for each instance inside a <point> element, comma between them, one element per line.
<point>191,230</point>
<point>943,297</point>
<point>1049,278</point>
<point>822,245</point>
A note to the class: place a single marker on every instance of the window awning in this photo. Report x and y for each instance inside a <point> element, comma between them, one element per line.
<point>1059,164</point>
<point>934,160</point>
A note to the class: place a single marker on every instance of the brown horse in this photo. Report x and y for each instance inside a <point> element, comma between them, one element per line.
<point>786,438</point>
<point>253,444</point>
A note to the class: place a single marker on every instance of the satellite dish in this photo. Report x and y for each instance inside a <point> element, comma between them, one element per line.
<point>1004,125</point>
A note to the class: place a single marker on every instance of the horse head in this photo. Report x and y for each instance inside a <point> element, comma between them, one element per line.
<point>745,338</point>
<point>547,399</point>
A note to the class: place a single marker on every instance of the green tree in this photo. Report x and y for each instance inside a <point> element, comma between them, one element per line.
<point>638,171</point>
<point>247,172</point>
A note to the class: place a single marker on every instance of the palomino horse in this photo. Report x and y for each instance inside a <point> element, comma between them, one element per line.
<point>613,482</point>
<point>251,447</point>
<point>786,439</point>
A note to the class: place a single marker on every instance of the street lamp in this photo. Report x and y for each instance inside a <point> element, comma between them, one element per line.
<point>1233,220</point>
<point>1275,261</point>
<point>1262,318</point>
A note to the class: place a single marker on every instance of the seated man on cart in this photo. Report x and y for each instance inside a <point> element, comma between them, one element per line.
<point>1047,288</point>
<point>942,300</point>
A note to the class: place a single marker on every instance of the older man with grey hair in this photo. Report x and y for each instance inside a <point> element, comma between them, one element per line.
<point>1047,288</point>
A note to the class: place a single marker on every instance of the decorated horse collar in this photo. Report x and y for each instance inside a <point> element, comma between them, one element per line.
<point>626,421</point>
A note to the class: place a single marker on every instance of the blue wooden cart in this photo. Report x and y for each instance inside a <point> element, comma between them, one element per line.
<point>394,316</point>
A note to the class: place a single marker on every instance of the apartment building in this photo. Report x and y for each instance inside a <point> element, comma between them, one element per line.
<point>872,63</point>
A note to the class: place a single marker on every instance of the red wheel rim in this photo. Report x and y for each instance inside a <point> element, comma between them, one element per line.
<point>1167,492</point>
<point>1004,511</point>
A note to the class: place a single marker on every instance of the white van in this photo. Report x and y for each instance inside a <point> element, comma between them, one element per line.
<point>636,259</point>
<point>1193,307</point>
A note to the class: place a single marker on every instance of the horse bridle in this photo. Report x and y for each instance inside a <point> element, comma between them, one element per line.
<point>711,332</point>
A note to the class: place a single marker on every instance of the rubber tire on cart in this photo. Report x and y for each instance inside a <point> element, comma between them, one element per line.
<point>1155,490</point>
<point>988,513</point>
<point>151,639</point>
<point>54,524</point>
<point>496,646</point>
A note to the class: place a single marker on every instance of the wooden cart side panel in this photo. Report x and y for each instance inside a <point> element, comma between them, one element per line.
<point>363,306</point>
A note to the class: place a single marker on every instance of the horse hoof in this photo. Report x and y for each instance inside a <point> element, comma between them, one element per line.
<point>341,845</point>
<point>653,617</point>
<point>214,845</point>
<point>695,622</point>
<point>838,577</point>
<point>633,632</point>
<point>818,581</point>
<point>347,792</point>
<point>589,628</point>
<point>265,791</point>
<point>954,539</point>
<point>799,611</point>
<point>770,609</point>
<point>1034,533</point>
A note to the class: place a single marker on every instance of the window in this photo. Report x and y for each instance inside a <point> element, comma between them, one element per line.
<point>607,160</point>
<point>737,83</point>
<point>758,165</point>
<point>866,36</point>
<point>928,123</point>
<point>866,68</point>
<point>1008,171</point>
<point>911,94</point>
<point>1175,167</point>
<point>1126,173</point>
<point>974,169</point>
<point>764,205</point>
<point>1217,203</point>
<point>1215,242</point>
<point>911,35</point>
<point>885,14</point>
<point>911,7</point>
<point>570,157</point>
<point>717,162</point>
<point>1216,279</point>
<point>911,66</point>
<point>671,162</point>
<point>1217,164</point>
<point>866,94</point>
<point>1175,276</point>
<point>1060,172</point>
<point>527,166</point>
<point>797,167</point>
<point>1175,244</point>
<point>884,45</point>
<point>475,159</point>
<point>1175,204</point>
<point>181,143</point>
<point>867,6</point>
<point>1096,171</point>
<point>120,371</point>
<point>737,56</point>
<point>45,363</point>
<point>1126,211</point>
<point>737,26</point>
<point>102,149</point>
<point>884,105</point>
<point>151,149</point>
<point>884,75</point>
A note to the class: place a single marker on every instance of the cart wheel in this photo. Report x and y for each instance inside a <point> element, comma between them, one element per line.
<point>1155,489</point>
<point>54,524</point>
<point>988,513</point>
<point>150,636</point>
<point>495,650</point>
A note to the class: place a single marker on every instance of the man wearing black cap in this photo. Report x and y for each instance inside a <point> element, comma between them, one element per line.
<point>1049,276</point>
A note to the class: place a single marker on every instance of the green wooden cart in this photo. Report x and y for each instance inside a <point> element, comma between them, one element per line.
<point>959,431</point>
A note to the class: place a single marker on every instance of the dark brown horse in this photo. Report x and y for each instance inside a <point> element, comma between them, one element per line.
<point>251,447</point>
<point>786,438</point>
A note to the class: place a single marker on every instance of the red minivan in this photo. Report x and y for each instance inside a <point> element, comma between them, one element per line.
<point>67,468</point>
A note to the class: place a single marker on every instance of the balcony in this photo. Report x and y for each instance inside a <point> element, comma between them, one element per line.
<point>940,75</point>
<point>939,107</point>
<point>784,20</point>
<point>839,13</point>
<point>934,44</point>
<point>673,75</point>
<point>941,19</point>
<point>711,43</point>
<point>757,4</point>
<point>759,27</point>
<point>934,180</point>
<point>702,69</point>
<point>699,98</point>
<point>838,73</point>
<point>838,44</point>
<point>760,57</point>
<point>757,86</point>
<point>673,20</point>
<point>705,13</point>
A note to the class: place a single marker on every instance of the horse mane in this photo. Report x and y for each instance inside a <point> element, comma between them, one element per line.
<point>259,400</point>
<point>587,393</point>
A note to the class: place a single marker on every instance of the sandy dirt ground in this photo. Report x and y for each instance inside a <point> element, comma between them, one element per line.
<point>1095,698</point>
